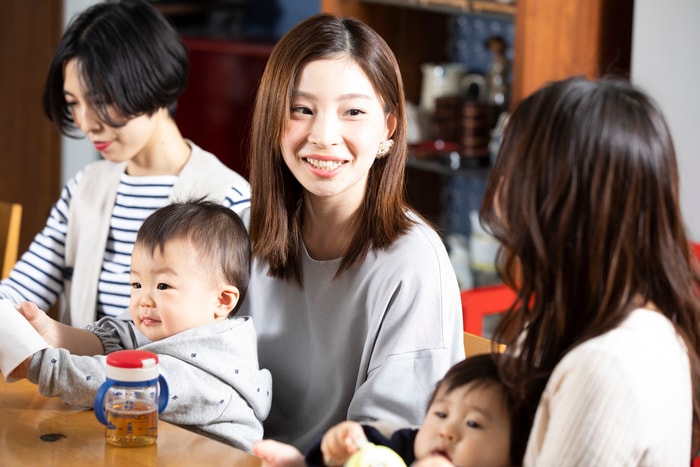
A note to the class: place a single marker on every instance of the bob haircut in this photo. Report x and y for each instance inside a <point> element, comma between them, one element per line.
<point>130,59</point>
<point>277,196</point>
<point>584,198</point>
<point>215,232</point>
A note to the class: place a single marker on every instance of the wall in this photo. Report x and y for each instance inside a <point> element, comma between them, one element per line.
<point>75,153</point>
<point>665,63</point>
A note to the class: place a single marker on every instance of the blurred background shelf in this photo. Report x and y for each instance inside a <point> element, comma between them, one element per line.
<point>454,6</point>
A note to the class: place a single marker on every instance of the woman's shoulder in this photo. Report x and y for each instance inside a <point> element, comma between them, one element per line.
<point>418,253</point>
<point>202,159</point>
<point>420,239</point>
<point>102,167</point>
<point>205,175</point>
<point>97,177</point>
<point>642,331</point>
<point>644,344</point>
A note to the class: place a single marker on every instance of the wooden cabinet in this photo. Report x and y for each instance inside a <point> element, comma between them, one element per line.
<point>215,109</point>
<point>31,156</point>
<point>553,38</point>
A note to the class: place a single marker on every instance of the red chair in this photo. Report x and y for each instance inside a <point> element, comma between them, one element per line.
<point>481,301</point>
<point>696,249</point>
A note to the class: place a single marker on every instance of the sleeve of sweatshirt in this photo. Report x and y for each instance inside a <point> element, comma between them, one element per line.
<point>72,378</point>
<point>117,334</point>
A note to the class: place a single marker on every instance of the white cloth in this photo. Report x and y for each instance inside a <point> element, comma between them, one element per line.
<point>620,399</point>
<point>369,345</point>
<point>18,339</point>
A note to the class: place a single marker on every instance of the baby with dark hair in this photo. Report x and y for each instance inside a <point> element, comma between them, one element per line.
<point>471,421</point>
<point>190,268</point>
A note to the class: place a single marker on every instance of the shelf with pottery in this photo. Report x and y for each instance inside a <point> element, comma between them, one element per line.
<point>592,37</point>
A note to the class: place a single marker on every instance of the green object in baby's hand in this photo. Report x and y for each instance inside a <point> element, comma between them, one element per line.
<point>372,455</point>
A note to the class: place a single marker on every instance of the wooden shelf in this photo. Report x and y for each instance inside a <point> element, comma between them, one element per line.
<point>454,6</point>
<point>185,8</point>
<point>485,6</point>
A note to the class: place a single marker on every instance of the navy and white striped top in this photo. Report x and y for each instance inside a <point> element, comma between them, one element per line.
<point>38,275</point>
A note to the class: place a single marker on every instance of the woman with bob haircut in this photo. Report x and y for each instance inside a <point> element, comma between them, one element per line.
<point>115,78</point>
<point>604,335</point>
<point>356,303</point>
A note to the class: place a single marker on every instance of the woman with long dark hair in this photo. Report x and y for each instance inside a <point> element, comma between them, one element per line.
<point>584,197</point>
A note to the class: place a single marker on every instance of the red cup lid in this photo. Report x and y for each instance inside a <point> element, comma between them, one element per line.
<point>132,366</point>
<point>132,359</point>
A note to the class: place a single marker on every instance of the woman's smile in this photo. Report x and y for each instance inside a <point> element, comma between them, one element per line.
<point>335,127</point>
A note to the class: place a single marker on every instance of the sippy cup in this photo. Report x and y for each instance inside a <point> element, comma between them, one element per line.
<point>129,401</point>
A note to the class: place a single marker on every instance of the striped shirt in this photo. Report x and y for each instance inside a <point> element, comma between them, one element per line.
<point>38,275</point>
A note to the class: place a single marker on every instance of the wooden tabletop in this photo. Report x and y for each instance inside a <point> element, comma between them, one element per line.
<point>36,430</point>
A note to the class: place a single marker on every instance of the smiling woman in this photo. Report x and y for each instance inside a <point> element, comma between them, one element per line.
<point>351,291</point>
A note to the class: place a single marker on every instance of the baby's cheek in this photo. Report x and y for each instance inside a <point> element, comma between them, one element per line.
<point>421,446</point>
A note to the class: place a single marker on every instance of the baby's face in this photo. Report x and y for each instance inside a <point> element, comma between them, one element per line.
<point>470,426</point>
<point>171,291</point>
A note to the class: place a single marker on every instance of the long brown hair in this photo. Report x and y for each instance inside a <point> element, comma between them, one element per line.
<point>276,195</point>
<point>584,198</point>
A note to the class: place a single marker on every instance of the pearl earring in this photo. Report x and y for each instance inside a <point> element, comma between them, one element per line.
<point>384,148</point>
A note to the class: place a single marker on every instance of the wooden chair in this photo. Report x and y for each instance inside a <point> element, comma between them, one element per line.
<point>475,345</point>
<point>10,223</point>
<point>481,301</point>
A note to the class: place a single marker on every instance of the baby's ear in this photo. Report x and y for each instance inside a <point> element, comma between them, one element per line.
<point>228,298</point>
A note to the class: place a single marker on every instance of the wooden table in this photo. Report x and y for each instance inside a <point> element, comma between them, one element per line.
<point>74,437</point>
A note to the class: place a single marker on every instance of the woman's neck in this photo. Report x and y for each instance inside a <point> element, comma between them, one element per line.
<point>166,153</point>
<point>328,228</point>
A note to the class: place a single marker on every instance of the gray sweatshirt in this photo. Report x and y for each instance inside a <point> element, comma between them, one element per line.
<point>216,386</point>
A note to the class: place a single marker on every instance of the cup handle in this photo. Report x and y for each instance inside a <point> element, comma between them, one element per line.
<point>163,393</point>
<point>99,404</point>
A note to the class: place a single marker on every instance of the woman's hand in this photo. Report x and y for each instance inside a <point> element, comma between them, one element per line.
<point>341,441</point>
<point>39,320</point>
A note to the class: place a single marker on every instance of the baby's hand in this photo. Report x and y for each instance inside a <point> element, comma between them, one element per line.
<point>341,441</point>
<point>276,454</point>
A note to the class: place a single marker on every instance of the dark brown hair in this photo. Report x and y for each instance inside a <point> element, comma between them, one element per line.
<point>584,198</point>
<point>276,195</point>
<point>129,58</point>
<point>216,233</point>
